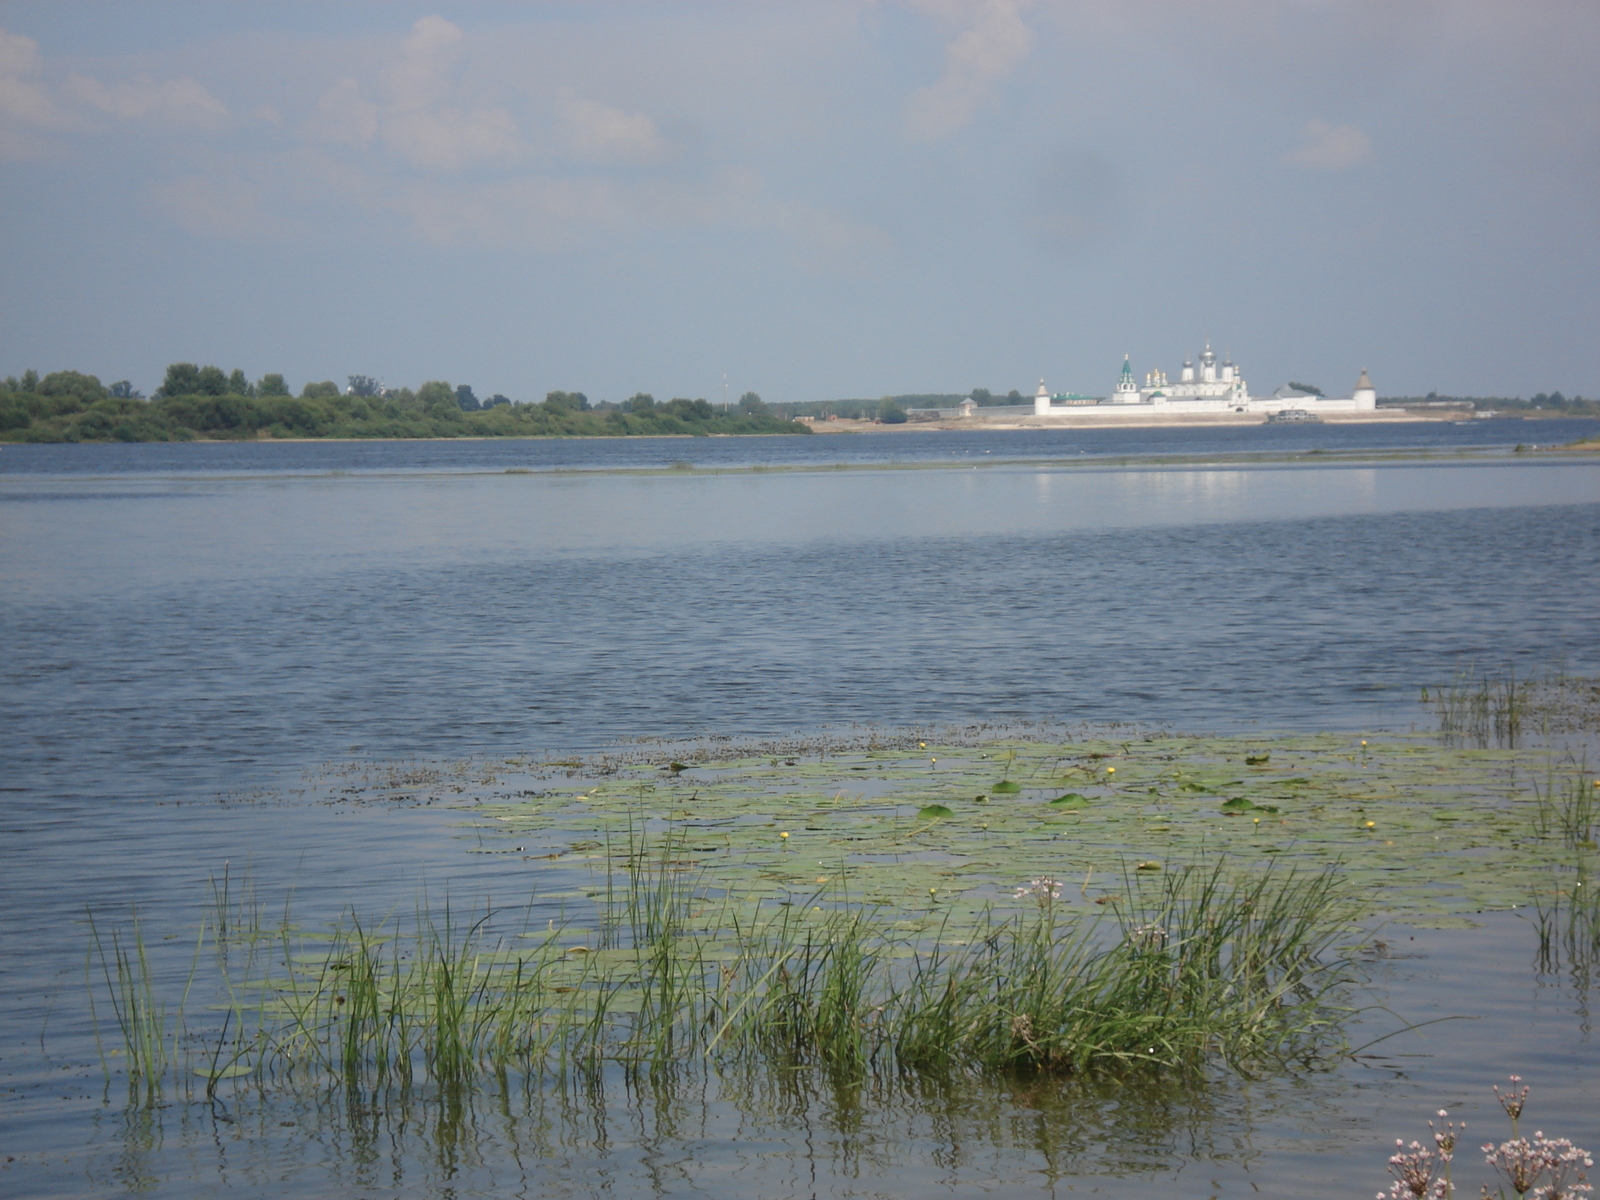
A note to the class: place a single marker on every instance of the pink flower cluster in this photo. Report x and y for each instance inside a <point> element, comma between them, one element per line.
<point>1415,1174</point>
<point>1538,1169</point>
<point>1045,888</point>
<point>1541,1169</point>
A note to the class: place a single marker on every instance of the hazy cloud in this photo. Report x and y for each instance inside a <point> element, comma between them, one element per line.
<point>562,215</point>
<point>25,107</point>
<point>994,42</point>
<point>419,121</point>
<point>343,116</point>
<point>178,102</point>
<point>1326,147</point>
<point>219,208</point>
<point>1079,200</point>
<point>601,133</point>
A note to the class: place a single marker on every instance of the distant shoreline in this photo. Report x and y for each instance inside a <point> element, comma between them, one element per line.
<point>1112,420</point>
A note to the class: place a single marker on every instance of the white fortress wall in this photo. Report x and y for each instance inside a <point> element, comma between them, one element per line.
<point>1213,389</point>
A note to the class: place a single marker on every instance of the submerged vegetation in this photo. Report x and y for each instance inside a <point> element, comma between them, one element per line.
<point>1499,709</point>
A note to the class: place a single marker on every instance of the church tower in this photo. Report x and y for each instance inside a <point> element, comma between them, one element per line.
<point>1127,388</point>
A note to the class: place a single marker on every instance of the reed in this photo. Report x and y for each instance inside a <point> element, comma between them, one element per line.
<point>1203,967</point>
<point>1480,709</point>
<point>150,1028</point>
<point>1196,968</point>
<point>1568,806</point>
<point>1483,709</point>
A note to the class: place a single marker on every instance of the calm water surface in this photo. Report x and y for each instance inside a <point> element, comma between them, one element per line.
<point>179,629</point>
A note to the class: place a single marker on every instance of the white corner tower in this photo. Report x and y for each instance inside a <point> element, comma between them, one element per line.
<point>1365,396</point>
<point>1041,401</point>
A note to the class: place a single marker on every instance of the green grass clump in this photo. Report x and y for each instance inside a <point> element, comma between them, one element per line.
<point>1203,967</point>
<point>1181,971</point>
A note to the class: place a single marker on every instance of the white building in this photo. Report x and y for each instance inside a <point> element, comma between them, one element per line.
<point>1212,387</point>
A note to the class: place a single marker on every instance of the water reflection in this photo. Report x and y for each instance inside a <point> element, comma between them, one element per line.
<point>732,1132</point>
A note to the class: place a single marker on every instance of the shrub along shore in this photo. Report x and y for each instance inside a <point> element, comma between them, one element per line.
<point>204,403</point>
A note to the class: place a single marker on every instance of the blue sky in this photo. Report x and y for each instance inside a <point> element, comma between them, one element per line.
<point>814,199</point>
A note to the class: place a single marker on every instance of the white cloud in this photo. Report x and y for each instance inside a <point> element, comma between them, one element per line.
<point>344,116</point>
<point>1325,147</point>
<point>25,107</point>
<point>601,133</point>
<point>178,102</point>
<point>418,122</point>
<point>995,41</point>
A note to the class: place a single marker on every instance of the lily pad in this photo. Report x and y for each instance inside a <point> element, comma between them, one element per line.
<point>1258,760</point>
<point>935,812</point>
<point>1070,800</point>
<point>1006,788</point>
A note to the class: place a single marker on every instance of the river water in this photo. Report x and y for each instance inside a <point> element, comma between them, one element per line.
<point>190,629</point>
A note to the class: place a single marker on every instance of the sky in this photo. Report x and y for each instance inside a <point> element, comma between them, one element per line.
<point>809,200</point>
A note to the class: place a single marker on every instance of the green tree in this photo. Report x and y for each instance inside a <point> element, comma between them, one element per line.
<point>238,385</point>
<point>183,379</point>
<point>438,400</point>
<point>752,405</point>
<point>213,382</point>
<point>891,413</point>
<point>465,399</point>
<point>566,402</point>
<point>124,389</point>
<point>326,390</point>
<point>272,384</point>
<point>83,389</point>
<point>363,385</point>
<point>688,410</point>
<point>639,402</point>
<point>981,396</point>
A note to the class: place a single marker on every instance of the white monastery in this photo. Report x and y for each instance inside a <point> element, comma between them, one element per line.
<point>1210,388</point>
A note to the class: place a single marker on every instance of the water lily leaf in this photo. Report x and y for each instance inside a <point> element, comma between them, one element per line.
<point>1258,760</point>
<point>1238,805</point>
<point>1006,788</point>
<point>1193,787</point>
<point>935,812</point>
<point>1070,800</point>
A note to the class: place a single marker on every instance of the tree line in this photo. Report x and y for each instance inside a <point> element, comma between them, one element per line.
<point>206,402</point>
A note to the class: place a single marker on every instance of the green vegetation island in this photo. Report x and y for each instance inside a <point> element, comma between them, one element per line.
<point>206,403</point>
